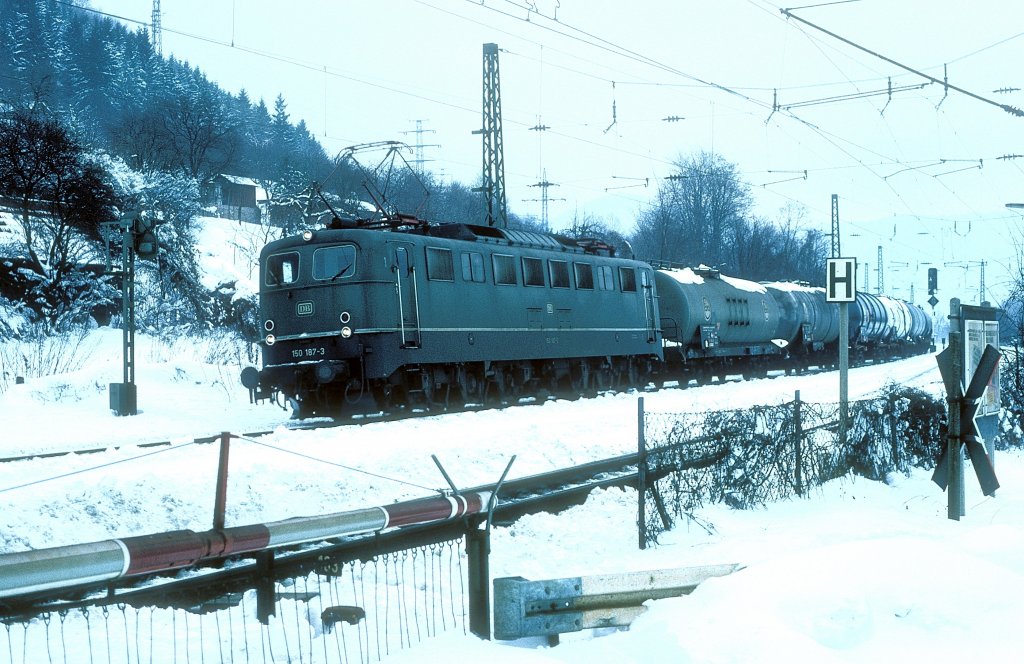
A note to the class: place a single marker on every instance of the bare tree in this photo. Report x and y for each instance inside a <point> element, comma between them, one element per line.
<point>61,198</point>
<point>200,133</point>
<point>699,212</point>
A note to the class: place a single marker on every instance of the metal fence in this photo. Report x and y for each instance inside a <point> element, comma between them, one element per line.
<point>756,455</point>
<point>329,608</point>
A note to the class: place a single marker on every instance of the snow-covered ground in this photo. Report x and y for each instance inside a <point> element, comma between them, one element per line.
<point>859,571</point>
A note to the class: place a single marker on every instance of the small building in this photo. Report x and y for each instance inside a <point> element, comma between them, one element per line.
<point>239,198</point>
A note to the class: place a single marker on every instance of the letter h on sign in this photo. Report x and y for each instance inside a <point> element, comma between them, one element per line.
<point>841,279</point>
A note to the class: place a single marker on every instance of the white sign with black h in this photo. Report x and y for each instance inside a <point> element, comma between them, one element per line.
<point>840,279</point>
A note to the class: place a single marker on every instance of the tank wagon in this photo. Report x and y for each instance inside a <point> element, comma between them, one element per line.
<point>377,316</point>
<point>713,324</point>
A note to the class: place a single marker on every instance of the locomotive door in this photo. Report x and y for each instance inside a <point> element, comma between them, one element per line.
<point>648,289</point>
<point>404,269</point>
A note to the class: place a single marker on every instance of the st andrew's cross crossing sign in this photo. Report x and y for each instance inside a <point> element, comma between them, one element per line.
<point>968,402</point>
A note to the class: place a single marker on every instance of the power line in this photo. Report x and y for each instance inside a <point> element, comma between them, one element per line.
<point>945,83</point>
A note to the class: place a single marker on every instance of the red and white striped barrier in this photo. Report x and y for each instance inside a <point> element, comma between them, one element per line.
<point>80,564</point>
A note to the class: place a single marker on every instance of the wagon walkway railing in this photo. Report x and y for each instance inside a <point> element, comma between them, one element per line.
<point>752,456</point>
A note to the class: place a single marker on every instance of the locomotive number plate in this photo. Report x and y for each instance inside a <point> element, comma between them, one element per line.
<point>311,351</point>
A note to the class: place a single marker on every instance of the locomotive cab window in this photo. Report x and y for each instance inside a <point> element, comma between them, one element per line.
<point>330,263</point>
<point>627,276</point>
<point>282,269</point>
<point>504,269</point>
<point>559,274</point>
<point>584,276</point>
<point>473,267</point>
<point>439,264</point>
<point>533,271</point>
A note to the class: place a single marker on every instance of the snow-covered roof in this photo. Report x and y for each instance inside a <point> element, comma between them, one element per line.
<point>791,286</point>
<point>238,179</point>
<point>690,276</point>
<point>744,285</point>
<point>684,275</point>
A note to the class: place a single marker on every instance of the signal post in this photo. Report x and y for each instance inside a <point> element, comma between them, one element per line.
<point>138,239</point>
<point>841,287</point>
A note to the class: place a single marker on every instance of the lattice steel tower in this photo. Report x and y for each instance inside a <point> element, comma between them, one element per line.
<point>419,131</point>
<point>881,272</point>
<point>544,199</point>
<point>158,35</point>
<point>835,226</point>
<point>494,160</point>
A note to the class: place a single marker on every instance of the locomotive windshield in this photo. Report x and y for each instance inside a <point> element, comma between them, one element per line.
<point>282,269</point>
<point>330,263</point>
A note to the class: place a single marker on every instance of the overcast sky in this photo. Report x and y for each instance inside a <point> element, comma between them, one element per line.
<point>919,175</point>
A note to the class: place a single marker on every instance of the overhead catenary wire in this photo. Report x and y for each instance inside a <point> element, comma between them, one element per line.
<point>618,51</point>
<point>945,83</point>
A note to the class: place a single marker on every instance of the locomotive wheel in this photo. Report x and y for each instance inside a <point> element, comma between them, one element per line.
<point>585,380</point>
<point>471,385</point>
<point>381,391</point>
<point>633,372</point>
<point>495,389</point>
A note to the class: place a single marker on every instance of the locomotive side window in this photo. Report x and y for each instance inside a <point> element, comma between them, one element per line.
<point>533,271</point>
<point>282,269</point>
<point>504,269</point>
<point>472,267</point>
<point>330,263</point>
<point>439,264</point>
<point>559,274</point>
<point>627,276</point>
<point>604,278</point>
<point>584,276</point>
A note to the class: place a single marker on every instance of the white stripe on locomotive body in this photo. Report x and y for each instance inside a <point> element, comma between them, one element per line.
<point>395,330</point>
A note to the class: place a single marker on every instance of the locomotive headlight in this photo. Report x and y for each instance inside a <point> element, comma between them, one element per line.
<point>345,317</point>
<point>307,235</point>
<point>346,332</point>
<point>270,339</point>
<point>268,325</point>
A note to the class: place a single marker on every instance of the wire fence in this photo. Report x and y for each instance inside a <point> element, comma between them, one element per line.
<point>340,611</point>
<point>749,457</point>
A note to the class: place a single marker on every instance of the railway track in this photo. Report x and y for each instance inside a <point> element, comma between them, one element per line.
<point>291,425</point>
<point>300,425</point>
